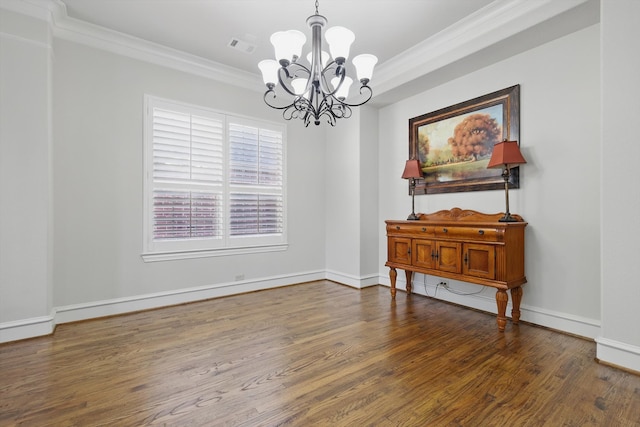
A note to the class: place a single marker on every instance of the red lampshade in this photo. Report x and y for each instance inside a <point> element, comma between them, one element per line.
<point>412,169</point>
<point>506,153</point>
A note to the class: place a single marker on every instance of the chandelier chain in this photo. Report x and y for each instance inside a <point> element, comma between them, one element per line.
<point>316,7</point>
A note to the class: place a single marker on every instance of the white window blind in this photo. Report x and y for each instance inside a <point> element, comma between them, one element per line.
<point>212,181</point>
<point>255,175</point>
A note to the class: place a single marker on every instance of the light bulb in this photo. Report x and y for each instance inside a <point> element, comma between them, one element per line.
<point>364,66</point>
<point>339,39</point>
<point>288,44</point>
<point>269,69</point>
<point>343,91</point>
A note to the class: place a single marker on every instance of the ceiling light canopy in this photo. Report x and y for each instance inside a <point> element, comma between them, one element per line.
<point>320,87</point>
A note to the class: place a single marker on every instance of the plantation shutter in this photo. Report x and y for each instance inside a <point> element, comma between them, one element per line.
<point>214,183</point>
<point>187,175</point>
<point>256,205</point>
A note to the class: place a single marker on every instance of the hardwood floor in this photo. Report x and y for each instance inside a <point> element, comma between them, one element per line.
<point>315,354</point>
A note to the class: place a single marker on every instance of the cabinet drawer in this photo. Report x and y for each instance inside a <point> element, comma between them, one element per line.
<point>469,233</point>
<point>414,230</point>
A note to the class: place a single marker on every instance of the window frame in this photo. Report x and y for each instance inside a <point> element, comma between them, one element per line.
<point>154,250</point>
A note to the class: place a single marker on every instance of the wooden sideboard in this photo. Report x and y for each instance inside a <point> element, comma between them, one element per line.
<point>463,245</point>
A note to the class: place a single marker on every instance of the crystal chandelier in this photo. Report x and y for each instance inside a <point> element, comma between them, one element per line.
<point>320,87</point>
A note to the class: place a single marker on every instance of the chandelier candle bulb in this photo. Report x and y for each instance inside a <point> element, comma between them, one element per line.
<point>343,90</point>
<point>339,39</point>
<point>269,69</point>
<point>364,64</point>
<point>288,45</point>
<point>300,86</point>
<point>319,88</point>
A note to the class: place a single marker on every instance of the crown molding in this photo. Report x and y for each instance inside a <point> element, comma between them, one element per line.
<point>39,9</point>
<point>497,21</point>
<point>74,30</point>
<point>115,42</point>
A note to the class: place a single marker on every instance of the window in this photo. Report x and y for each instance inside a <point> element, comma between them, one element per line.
<point>214,183</point>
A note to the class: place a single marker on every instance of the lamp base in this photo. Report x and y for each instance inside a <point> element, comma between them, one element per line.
<point>413,217</point>
<point>507,218</point>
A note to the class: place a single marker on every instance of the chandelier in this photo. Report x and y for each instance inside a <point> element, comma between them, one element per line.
<point>320,86</point>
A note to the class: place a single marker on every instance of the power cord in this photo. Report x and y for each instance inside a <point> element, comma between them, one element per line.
<point>424,283</point>
<point>446,286</point>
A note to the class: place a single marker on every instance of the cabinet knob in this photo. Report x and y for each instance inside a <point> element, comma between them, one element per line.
<point>397,227</point>
<point>424,228</point>
<point>444,230</point>
<point>481,232</point>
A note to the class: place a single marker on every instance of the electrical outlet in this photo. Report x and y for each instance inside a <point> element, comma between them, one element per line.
<point>443,284</point>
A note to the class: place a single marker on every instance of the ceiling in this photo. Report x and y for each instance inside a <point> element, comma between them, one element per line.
<point>413,39</point>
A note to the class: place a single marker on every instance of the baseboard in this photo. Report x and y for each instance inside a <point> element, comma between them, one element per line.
<point>74,313</point>
<point>34,327</point>
<point>353,281</point>
<point>27,328</point>
<point>483,298</point>
<point>619,354</point>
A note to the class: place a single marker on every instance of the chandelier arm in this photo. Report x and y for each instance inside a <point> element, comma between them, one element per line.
<point>340,110</point>
<point>273,96</point>
<point>297,110</point>
<point>306,109</point>
<point>290,74</point>
<point>368,96</point>
<point>331,108</point>
<point>339,72</point>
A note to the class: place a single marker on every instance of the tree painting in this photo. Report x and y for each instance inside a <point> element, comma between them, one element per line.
<point>465,138</point>
<point>474,137</point>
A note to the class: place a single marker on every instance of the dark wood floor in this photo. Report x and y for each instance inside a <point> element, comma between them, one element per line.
<point>316,354</point>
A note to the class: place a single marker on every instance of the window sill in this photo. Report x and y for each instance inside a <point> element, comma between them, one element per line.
<point>206,253</point>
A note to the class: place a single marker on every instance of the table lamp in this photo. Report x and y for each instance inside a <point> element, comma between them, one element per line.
<point>506,154</point>
<point>412,172</point>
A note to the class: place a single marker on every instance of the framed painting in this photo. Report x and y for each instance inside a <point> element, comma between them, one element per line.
<point>454,144</point>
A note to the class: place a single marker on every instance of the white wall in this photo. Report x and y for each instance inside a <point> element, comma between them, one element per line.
<point>370,227</point>
<point>342,209</point>
<point>98,117</point>
<point>351,199</point>
<point>559,194</point>
<point>25,153</point>
<point>619,342</point>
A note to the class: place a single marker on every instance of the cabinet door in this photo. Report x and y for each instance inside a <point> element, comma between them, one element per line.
<point>423,253</point>
<point>399,250</point>
<point>448,256</point>
<point>479,260</point>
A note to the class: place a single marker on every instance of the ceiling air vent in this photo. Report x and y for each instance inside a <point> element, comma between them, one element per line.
<point>241,45</point>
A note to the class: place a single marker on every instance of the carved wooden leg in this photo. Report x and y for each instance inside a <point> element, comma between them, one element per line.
<point>516,297</point>
<point>392,275</point>
<point>501,299</point>
<point>409,275</point>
